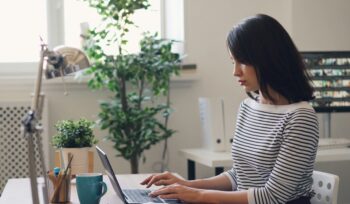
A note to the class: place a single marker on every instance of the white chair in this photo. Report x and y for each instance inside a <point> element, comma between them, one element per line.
<point>325,186</point>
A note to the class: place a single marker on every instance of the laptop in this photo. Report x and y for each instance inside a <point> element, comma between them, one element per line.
<point>129,196</point>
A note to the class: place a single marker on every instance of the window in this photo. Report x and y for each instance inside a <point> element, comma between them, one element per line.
<point>59,22</point>
<point>79,16</point>
<point>22,25</point>
<point>22,22</point>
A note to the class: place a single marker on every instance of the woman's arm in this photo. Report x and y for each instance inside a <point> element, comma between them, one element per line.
<point>223,197</point>
<point>219,182</point>
<point>194,195</point>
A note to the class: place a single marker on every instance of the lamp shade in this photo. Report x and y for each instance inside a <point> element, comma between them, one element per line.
<point>63,61</point>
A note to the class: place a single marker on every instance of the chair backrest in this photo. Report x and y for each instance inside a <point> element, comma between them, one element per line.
<point>325,186</point>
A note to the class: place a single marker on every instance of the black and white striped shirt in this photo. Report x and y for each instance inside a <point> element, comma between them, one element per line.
<point>274,150</point>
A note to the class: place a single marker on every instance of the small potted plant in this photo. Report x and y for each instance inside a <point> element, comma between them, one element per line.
<point>75,137</point>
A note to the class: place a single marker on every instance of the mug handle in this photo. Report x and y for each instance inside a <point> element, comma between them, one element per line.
<point>104,189</point>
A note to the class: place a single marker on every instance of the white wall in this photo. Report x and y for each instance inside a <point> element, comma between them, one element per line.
<point>313,24</point>
<point>321,24</point>
<point>207,24</point>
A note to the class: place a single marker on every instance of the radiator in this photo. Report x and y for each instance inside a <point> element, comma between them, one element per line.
<point>13,145</point>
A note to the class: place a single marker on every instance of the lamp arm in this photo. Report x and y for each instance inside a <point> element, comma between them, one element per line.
<point>39,77</point>
<point>31,129</point>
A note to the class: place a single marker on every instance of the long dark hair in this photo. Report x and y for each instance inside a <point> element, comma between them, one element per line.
<point>262,42</point>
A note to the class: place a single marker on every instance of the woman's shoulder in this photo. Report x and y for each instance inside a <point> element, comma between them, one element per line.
<point>302,106</point>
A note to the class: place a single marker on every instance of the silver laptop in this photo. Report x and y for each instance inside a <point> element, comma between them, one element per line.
<point>129,196</point>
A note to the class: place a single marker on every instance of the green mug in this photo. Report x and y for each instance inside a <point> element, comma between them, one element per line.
<point>90,187</point>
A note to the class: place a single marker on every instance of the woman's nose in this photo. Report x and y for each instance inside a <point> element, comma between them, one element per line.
<point>237,71</point>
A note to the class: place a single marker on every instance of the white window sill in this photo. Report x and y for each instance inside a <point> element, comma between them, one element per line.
<point>27,80</point>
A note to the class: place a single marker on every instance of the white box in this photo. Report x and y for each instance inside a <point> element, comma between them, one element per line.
<point>212,120</point>
<point>230,115</point>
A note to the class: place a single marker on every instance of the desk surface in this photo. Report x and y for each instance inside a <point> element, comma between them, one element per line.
<point>17,191</point>
<point>224,159</point>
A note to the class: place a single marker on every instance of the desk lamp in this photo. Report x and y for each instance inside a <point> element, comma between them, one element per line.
<point>59,62</point>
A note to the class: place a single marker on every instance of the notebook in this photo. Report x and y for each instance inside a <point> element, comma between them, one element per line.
<point>128,196</point>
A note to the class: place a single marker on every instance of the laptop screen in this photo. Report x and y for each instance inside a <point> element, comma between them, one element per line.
<point>111,174</point>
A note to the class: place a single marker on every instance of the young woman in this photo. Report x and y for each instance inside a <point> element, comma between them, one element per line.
<point>276,134</point>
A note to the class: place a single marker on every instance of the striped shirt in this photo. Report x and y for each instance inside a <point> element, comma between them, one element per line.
<point>274,150</point>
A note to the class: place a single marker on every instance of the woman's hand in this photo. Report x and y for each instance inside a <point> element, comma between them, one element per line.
<point>180,192</point>
<point>164,179</point>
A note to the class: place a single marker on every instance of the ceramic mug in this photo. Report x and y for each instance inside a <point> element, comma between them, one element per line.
<point>90,187</point>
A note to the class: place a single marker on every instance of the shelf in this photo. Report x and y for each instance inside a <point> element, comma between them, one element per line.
<point>330,71</point>
<point>331,109</point>
<point>330,78</point>
<point>323,89</point>
<point>325,54</point>
<point>315,67</point>
<point>331,99</point>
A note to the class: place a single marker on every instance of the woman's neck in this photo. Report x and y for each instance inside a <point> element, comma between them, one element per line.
<point>278,99</point>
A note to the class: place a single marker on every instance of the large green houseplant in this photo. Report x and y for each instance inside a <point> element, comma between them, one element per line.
<point>133,116</point>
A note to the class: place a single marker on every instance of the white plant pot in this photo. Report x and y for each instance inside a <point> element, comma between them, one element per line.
<point>80,159</point>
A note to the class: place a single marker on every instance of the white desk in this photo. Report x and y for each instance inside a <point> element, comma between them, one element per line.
<point>17,191</point>
<point>219,160</point>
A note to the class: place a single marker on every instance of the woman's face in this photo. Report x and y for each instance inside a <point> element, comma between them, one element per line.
<point>246,75</point>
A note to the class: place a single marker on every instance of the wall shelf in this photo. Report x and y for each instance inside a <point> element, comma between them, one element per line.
<point>330,73</point>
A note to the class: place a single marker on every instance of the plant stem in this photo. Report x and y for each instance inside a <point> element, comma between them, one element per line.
<point>165,149</point>
<point>123,96</point>
<point>141,87</point>
<point>134,162</point>
<point>125,107</point>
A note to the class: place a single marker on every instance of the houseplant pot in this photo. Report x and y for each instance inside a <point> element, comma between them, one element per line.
<point>76,138</point>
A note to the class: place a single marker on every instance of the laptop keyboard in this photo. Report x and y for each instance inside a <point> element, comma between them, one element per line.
<point>140,196</point>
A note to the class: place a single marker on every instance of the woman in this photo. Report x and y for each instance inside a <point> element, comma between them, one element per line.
<point>276,134</point>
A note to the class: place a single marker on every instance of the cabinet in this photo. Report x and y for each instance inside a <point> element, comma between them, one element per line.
<point>330,74</point>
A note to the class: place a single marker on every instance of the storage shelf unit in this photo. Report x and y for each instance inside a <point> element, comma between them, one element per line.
<point>330,73</point>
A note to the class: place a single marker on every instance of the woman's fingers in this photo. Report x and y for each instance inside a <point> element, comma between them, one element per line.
<point>165,190</point>
<point>150,180</point>
<point>156,178</point>
<point>165,178</point>
<point>170,196</point>
<point>160,191</point>
<point>146,180</point>
<point>180,192</point>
